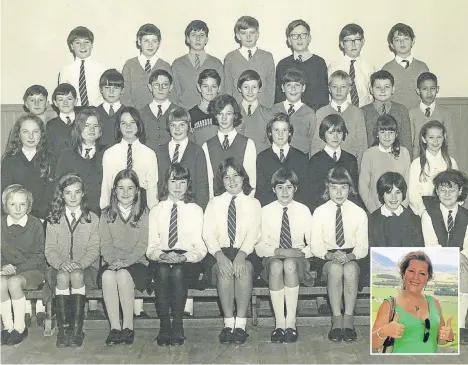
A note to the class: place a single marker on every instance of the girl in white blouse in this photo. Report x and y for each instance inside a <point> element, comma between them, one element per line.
<point>434,159</point>
<point>175,248</point>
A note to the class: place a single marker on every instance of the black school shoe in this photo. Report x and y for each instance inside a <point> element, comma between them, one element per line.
<point>277,336</point>
<point>239,336</point>
<point>349,334</point>
<point>16,337</point>
<point>114,338</point>
<point>290,335</point>
<point>127,336</point>
<point>164,338</point>
<point>335,334</point>
<point>40,319</point>
<point>226,336</point>
<point>5,335</point>
<point>177,338</point>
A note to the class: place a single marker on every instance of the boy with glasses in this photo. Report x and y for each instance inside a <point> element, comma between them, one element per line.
<point>351,41</point>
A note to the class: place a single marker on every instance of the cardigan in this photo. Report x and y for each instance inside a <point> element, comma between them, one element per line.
<point>136,92</point>
<point>315,71</point>
<point>262,62</point>
<point>186,78</point>
<point>157,132</point>
<point>268,163</point>
<point>195,160</point>
<point>356,140</point>
<point>108,125</point>
<point>254,127</point>
<point>406,81</point>
<point>78,244</point>
<point>23,247</point>
<point>120,240</point>
<point>304,122</point>
<point>401,115</point>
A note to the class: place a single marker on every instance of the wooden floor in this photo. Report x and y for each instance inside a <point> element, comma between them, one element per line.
<point>202,346</point>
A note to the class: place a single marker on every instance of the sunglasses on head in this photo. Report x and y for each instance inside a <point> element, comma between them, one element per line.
<point>427,327</point>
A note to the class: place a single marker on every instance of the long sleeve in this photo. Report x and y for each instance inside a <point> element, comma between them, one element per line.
<point>229,81</point>
<point>362,238</point>
<point>464,250</point>
<point>197,250</point>
<point>107,182</point>
<point>317,244</point>
<point>152,181</point>
<point>107,249</point>
<point>365,180</point>
<point>250,163</point>
<point>266,247</point>
<point>405,130</point>
<point>321,86</point>
<point>36,260</point>
<point>154,249</point>
<point>6,172</point>
<point>268,87</point>
<point>202,186</point>
<point>209,170</point>
<point>177,84</point>
<point>51,246</point>
<point>312,131</point>
<point>360,136</point>
<point>316,143</point>
<point>211,232</point>
<point>126,98</point>
<point>263,188</point>
<point>92,246</point>
<point>279,96</point>
<point>139,250</point>
<point>255,229</point>
<point>430,237</point>
<point>406,161</point>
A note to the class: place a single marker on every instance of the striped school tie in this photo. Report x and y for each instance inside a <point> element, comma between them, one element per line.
<point>339,108</point>
<point>249,110</point>
<point>225,142</point>
<point>384,109</point>
<point>339,233</point>
<point>335,158</point>
<point>129,157</point>
<point>428,112</point>
<point>111,111</point>
<point>87,156</point>
<point>197,61</point>
<point>406,63</point>
<point>69,121</point>
<point>159,112</point>
<point>299,58</point>
<point>249,53</point>
<point>175,158</point>
<point>148,66</point>
<point>73,222</point>
<point>82,86</point>
<point>232,222</point>
<point>353,92</point>
<point>282,157</point>
<point>450,222</point>
<point>173,226</point>
<point>291,109</point>
<point>285,233</point>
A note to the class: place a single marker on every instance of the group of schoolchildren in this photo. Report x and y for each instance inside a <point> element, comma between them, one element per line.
<point>155,176</point>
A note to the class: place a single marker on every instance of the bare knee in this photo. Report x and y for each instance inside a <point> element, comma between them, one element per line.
<point>335,271</point>
<point>122,275</point>
<point>63,279</point>
<point>276,268</point>
<point>4,287</point>
<point>109,276</point>
<point>290,266</point>
<point>351,270</point>
<point>77,278</point>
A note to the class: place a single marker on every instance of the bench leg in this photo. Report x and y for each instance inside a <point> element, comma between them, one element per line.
<point>49,323</point>
<point>255,307</point>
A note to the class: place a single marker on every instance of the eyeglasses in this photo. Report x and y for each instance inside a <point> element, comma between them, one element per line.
<point>352,41</point>
<point>164,85</point>
<point>427,327</point>
<point>297,36</point>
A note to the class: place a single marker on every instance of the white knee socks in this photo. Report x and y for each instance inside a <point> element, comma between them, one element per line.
<point>19,308</point>
<point>7,315</point>
<point>291,295</point>
<point>277,300</point>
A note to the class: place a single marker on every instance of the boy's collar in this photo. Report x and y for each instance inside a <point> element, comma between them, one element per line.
<point>297,104</point>
<point>348,58</point>
<point>142,59</point>
<point>343,106</point>
<point>398,59</point>
<point>78,60</point>
<point>193,53</point>
<point>22,222</point>
<point>63,116</point>
<point>454,209</point>
<point>245,105</point>
<point>245,51</point>
<point>424,106</point>
<point>305,55</point>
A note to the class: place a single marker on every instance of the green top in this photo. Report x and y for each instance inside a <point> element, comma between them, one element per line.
<point>412,339</point>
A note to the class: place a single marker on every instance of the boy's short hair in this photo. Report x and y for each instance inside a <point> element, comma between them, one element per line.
<point>111,77</point>
<point>219,103</point>
<point>350,29</point>
<point>209,73</point>
<point>196,25</point>
<point>279,117</point>
<point>64,89</point>
<point>159,72</point>
<point>450,177</point>
<point>249,75</point>
<point>387,181</point>
<point>340,176</point>
<point>293,75</point>
<point>178,114</point>
<point>402,29</point>
<point>282,175</point>
<point>382,75</point>
<point>334,121</point>
<point>147,29</point>
<point>296,23</point>
<point>15,189</point>
<point>426,76</point>
<point>246,22</point>
<point>79,32</point>
<point>340,74</point>
<point>35,90</point>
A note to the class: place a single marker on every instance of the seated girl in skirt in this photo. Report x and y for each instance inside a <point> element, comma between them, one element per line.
<point>72,251</point>
<point>123,229</point>
<point>175,247</point>
<point>23,260</point>
<point>231,229</point>
<point>393,225</point>
<point>339,236</point>
<point>285,248</point>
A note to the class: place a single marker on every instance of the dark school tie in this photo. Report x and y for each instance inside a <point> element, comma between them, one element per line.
<point>69,121</point>
<point>129,157</point>
<point>299,58</point>
<point>285,234</point>
<point>282,157</point>
<point>87,156</point>
<point>449,222</point>
<point>82,85</point>
<point>249,110</point>
<point>339,108</point>
<point>73,222</point>
<point>291,109</point>
<point>339,233</point>
<point>111,111</point>
<point>197,61</point>
<point>384,109</point>
<point>249,52</point>
<point>175,158</point>
<point>428,112</point>
<point>232,222</point>
<point>335,158</point>
<point>406,63</point>
<point>173,227</point>
<point>353,91</point>
<point>225,142</point>
<point>148,66</point>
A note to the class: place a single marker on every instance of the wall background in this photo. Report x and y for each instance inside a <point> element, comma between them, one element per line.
<point>33,34</point>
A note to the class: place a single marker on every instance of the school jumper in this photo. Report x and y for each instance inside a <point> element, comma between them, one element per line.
<point>157,133</point>
<point>268,163</point>
<point>194,159</point>
<point>315,70</point>
<point>186,78</point>
<point>136,92</point>
<point>108,123</point>
<point>262,62</point>
<point>304,122</point>
<point>202,128</point>
<point>356,140</point>
<point>58,134</point>
<point>254,127</point>
<point>376,162</point>
<point>406,81</point>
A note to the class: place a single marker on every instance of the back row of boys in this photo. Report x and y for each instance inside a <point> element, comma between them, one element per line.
<point>301,85</point>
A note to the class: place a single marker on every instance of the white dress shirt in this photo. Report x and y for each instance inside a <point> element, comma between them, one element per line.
<point>189,230</point>
<point>125,212</point>
<point>305,55</point>
<point>417,188</point>
<point>182,147</point>
<point>296,105</point>
<point>145,164</point>
<point>363,73</point>
<point>22,222</point>
<point>245,51</point>
<point>343,106</point>
<point>116,106</point>
<point>249,162</point>
<point>93,72</point>
<point>248,223</point>
<point>164,106</point>
<point>388,213</point>
<point>69,216</point>
<point>299,222</point>
<point>429,234</point>
<point>245,105</point>
<point>354,228</point>
<point>276,149</point>
<point>63,117</point>
<point>28,153</point>
<point>92,150</point>
<point>431,107</point>
<point>399,60</point>
<point>142,60</point>
<point>330,151</point>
